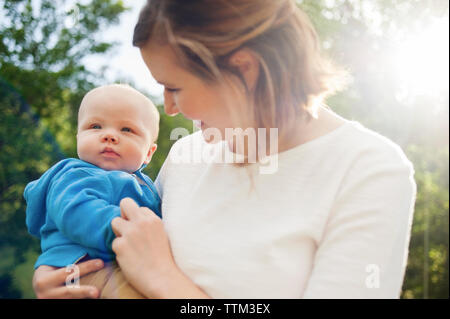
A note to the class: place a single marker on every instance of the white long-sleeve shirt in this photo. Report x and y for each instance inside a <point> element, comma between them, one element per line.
<point>333,221</point>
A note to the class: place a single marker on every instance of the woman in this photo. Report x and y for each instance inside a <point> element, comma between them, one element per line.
<point>332,220</point>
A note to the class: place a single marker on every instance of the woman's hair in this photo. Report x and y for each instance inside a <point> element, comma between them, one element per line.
<point>293,75</point>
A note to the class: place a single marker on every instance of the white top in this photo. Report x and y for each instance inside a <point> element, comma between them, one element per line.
<point>333,221</point>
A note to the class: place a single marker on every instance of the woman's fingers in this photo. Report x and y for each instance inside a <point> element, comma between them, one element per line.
<point>129,209</point>
<point>118,224</point>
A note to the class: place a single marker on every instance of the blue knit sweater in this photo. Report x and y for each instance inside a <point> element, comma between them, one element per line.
<point>71,206</point>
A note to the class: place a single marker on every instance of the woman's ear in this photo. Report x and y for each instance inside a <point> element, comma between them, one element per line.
<point>246,61</point>
<point>150,154</point>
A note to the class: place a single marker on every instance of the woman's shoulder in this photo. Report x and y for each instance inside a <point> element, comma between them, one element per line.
<point>347,144</point>
<point>362,154</point>
<point>352,137</point>
<point>365,141</point>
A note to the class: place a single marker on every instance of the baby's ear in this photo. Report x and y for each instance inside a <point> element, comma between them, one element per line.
<point>150,153</point>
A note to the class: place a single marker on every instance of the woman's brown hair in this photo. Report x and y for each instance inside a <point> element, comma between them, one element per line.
<point>293,75</point>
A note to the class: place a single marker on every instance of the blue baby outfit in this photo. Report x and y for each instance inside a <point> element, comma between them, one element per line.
<point>71,206</point>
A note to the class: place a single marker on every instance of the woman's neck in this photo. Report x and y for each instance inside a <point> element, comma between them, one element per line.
<point>303,129</point>
<point>309,128</point>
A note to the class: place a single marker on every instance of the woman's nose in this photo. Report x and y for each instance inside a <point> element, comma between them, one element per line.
<point>170,107</point>
<point>170,110</point>
<point>111,138</point>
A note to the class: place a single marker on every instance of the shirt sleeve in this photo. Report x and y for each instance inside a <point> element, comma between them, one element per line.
<point>364,247</point>
<point>79,205</point>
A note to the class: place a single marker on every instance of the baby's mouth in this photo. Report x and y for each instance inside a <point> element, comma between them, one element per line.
<point>109,152</point>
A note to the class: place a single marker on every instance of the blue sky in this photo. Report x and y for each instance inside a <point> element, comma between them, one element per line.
<point>125,62</point>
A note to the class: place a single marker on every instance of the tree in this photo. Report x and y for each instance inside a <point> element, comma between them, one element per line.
<point>358,34</point>
<point>42,80</point>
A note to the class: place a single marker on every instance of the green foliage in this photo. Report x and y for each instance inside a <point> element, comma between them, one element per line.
<point>44,45</point>
<point>24,154</point>
<point>427,272</point>
<point>166,125</point>
<point>357,33</point>
<point>42,81</point>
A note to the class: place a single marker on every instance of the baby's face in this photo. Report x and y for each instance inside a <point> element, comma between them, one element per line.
<point>113,130</point>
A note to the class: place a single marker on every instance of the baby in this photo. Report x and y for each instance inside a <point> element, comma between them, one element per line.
<point>70,207</point>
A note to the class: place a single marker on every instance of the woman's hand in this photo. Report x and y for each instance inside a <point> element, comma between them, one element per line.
<point>142,248</point>
<point>49,282</point>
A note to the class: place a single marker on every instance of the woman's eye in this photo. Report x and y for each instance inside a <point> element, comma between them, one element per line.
<point>126,129</point>
<point>96,127</point>
<point>171,90</point>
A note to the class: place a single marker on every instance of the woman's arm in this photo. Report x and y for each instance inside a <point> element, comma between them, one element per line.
<point>144,255</point>
<point>49,282</point>
<point>363,251</point>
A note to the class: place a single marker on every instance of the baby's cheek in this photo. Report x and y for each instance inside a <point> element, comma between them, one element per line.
<point>80,150</point>
<point>83,149</point>
<point>136,156</point>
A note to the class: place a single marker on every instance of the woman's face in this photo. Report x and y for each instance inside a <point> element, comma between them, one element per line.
<point>188,94</point>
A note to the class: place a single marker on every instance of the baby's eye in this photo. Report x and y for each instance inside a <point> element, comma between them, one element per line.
<point>126,129</point>
<point>95,126</point>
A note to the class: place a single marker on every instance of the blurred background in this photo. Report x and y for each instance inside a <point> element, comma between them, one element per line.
<point>53,52</point>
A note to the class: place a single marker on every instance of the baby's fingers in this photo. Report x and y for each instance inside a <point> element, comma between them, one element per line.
<point>50,282</point>
<point>89,266</point>
<point>69,273</point>
<point>74,292</point>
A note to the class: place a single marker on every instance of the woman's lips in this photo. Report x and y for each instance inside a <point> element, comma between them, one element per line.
<point>198,123</point>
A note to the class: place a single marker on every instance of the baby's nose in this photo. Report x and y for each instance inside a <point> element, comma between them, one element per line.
<point>110,138</point>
